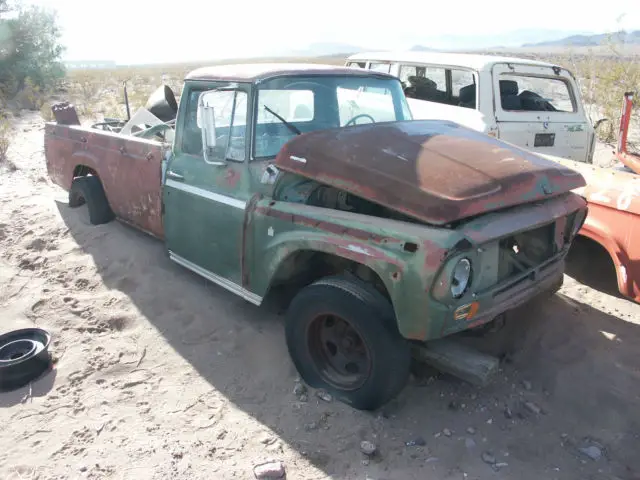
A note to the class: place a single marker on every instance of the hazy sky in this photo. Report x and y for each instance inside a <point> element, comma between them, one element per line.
<point>134,31</point>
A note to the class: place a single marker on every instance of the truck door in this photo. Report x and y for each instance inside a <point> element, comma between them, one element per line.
<point>540,109</point>
<point>204,204</point>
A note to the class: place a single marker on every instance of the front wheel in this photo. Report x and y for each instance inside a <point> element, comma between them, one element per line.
<point>342,337</point>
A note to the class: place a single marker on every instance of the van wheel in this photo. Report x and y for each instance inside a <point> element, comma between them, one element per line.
<point>89,190</point>
<point>342,337</point>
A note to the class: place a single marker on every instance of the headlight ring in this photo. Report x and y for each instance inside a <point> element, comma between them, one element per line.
<point>461,277</point>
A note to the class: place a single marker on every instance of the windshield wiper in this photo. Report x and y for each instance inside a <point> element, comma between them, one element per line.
<point>290,126</point>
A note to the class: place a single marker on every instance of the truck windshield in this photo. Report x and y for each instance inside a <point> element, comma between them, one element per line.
<point>320,102</point>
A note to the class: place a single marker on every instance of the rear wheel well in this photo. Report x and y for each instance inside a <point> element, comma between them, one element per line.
<point>83,171</point>
<point>306,266</point>
<point>590,263</point>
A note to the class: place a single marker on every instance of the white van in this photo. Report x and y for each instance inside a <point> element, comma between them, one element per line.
<point>534,105</point>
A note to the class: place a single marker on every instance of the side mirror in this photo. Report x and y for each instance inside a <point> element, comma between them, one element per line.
<point>205,118</point>
<point>599,122</point>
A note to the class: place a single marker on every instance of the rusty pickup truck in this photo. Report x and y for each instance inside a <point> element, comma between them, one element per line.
<point>389,233</point>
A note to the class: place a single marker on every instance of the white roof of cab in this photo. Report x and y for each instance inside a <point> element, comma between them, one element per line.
<point>258,71</point>
<point>473,61</point>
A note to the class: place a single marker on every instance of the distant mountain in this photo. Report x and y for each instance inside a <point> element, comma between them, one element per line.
<point>420,48</point>
<point>514,38</point>
<point>591,40</point>
<point>323,49</point>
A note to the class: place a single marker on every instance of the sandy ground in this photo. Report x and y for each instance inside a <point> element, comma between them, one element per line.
<point>161,375</point>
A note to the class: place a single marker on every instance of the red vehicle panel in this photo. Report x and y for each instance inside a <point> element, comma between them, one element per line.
<point>613,196</point>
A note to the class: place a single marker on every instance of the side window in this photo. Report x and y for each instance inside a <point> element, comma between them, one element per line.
<point>230,114</point>
<point>438,76</point>
<point>191,134</point>
<point>459,79</point>
<point>424,83</point>
<point>380,67</point>
<point>535,94</point>
<point>357,64</point>
<point>463,89</point>
<point>407,71</point>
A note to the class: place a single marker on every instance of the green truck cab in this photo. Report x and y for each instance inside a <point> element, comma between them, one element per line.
<point>384,233</point>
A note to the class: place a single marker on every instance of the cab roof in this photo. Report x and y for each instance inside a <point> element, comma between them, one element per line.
<point>255,72</point>
<point>478,62</point>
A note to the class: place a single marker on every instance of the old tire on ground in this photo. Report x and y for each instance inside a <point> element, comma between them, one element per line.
<point>341,335</point>
<point>89,190</point>
<point>24,356</point>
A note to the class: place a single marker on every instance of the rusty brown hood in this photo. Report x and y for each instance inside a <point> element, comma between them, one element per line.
<point>435,171</point>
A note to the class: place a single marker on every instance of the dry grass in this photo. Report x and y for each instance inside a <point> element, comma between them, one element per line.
<point>99,93</point>
<point>5,132</point>
<point>31,97</point>
<point>603,84</point>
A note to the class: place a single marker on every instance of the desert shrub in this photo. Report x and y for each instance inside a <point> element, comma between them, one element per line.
<point>46,113</point>
<point>29,51</point>
<point>604,78</point>
<point>31,96</point>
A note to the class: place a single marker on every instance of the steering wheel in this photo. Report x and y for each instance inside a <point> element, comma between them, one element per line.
<point>353,119</point>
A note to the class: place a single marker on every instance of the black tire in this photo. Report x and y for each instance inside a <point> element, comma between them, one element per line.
<point>371,316</point>
<point>24,357</point>
<point>89,190</point>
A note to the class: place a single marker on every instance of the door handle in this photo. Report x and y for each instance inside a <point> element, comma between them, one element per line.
<point>174,175</point>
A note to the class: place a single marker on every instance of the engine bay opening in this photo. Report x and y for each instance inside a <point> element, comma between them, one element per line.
<point>525,250</point>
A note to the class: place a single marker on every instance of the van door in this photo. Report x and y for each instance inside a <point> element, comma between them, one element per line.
<point>540,109</point>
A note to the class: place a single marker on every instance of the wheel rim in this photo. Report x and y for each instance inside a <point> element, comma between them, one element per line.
<point>16,350</point>
<point>340,354</point>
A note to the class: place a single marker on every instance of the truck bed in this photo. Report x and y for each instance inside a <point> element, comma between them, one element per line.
<point>130,169</point>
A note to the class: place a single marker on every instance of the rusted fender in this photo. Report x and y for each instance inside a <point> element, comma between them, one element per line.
<point>616,231</point>
<point>281,229</point>
<point>409,258</point>
<point>129,168</point>
<point>614,219</point>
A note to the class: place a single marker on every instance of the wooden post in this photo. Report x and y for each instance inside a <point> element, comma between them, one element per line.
<point>459,360</point>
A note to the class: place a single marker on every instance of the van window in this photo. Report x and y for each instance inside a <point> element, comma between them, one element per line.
<point>536,94</point>
<point>460,79</point>
<point>437,84</point>
<point>407,71</point>
<point>357,64</point>
<point>380,67</point>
